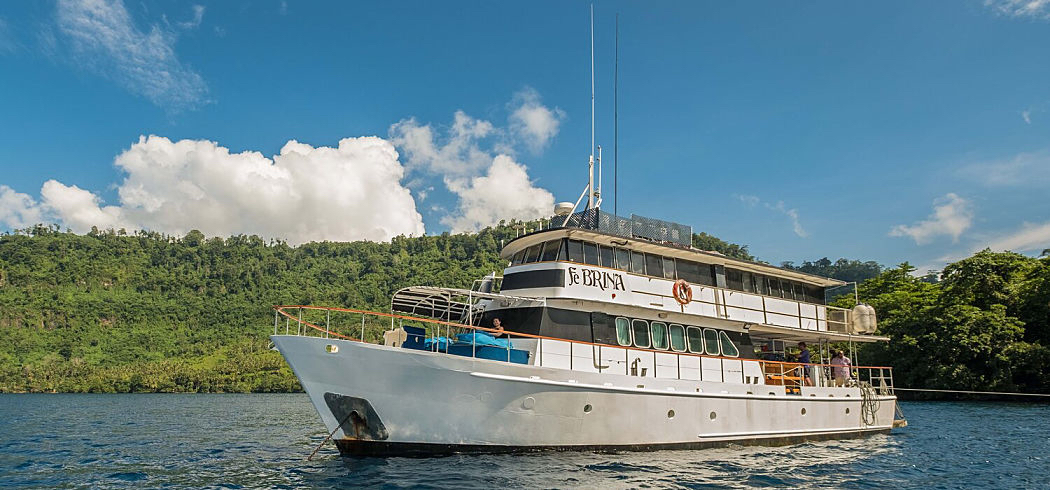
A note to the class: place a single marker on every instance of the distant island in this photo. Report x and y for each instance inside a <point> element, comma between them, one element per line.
<point>117,312</point>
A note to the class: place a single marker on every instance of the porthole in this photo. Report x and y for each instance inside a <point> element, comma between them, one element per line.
<point>587,408</point>
<point>331,348</point>
<point>772,394</point>
<point>847,410</point>
<point>670,414</point>
<point>713,415</point>
<point>803,411</point>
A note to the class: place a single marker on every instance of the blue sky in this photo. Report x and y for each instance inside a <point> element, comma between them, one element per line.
<point>884,131</point>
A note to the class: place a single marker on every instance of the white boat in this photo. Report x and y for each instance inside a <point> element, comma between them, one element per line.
<point>618,336</point>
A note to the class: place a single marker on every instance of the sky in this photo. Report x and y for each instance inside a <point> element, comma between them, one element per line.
<point>889,131</point>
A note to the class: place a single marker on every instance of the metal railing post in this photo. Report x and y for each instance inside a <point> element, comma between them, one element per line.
<point>362,327</point>
<point>275,315</point>
<point>299,327</point>
<point>327,320</point>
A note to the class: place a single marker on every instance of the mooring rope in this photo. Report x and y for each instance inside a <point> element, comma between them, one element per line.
<point>318,448</point>
<point>1007,393</point>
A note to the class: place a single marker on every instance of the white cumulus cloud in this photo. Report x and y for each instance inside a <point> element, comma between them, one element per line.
<point>533,122</point>
<point>504,192</point>
<point>103,39</point>
<point>349,192</point>
<point>18,210</point>
<point>457,154</point>
<point>952,215</point>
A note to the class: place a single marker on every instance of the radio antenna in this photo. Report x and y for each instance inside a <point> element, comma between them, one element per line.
<point>590,165</point>
<point>616,118</point>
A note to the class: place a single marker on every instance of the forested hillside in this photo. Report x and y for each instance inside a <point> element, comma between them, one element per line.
<point>109,311</point>
<point>116,312</point>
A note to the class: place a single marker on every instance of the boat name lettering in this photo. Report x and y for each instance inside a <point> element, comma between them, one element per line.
<point>596,279</point>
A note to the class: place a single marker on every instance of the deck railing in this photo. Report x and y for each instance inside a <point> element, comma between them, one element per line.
<point>369,327</point>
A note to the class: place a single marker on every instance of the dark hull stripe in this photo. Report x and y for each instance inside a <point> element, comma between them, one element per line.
<point>363,448</point>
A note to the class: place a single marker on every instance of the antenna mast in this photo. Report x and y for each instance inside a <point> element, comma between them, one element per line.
<point>616,119</point>
<point>590,165</point>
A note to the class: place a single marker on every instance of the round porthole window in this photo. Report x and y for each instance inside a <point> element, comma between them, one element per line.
<point>714,415</point>
<point>670,414</point>
<point>587,408</point>
<point>847,410</point>
<point>803,411</point>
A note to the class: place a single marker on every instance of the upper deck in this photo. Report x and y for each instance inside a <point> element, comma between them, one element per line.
<point>599,257</point>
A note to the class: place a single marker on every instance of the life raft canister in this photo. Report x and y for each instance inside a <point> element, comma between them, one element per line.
<point>683,294</point>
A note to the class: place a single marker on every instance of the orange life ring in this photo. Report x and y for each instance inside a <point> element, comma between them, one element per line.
<point>683,294</point>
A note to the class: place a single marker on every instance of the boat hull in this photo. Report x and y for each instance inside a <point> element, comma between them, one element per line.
<point>380,400</point>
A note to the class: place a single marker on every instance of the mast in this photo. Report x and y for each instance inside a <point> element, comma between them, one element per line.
<point>590,164</point>
<point>616,120</point>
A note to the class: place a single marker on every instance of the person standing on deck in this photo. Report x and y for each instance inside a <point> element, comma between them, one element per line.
<point>840,368</point>
<point>803,358</point>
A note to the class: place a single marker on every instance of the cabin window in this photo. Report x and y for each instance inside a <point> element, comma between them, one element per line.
<point>606,254</point>
<point>623,259</point>
<point>623,331</point>
<point>677,334</point>
<point>774,287</point>
<point>659,330</point>
<point>695,336</point>
<point>590,253</point>
<point>711,342</point>
<point>728,349</point>
<point>551,250</point>
<point>637,262</point>
<point>749,283</point>
<point>689,271</point>
<point>800,291</point>
<point>762,285</point>
<point>533,253</point>
<point>518,257</point>
<point>668,268</point>
<point>734,279</point>
<point>640,333</point>
<point>815,294</point>
<point>575,249</point>
<point>653,265</point>
<point>707,274</point>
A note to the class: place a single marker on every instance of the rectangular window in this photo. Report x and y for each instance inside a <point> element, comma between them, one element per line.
<point>640,333</point>
<point>606,254</point>
<point>654,266</point>
<point>677,334</point>
<point>590,253</point>
<point>575,250</point>
<point>623,259</point>
<point>690,271</point>
<point>711,342</point>
<point>533,253</point>
<point>669,268</point>
<point>774,287</point>
<point>696,340</point>
<point>749,283</point>
<point>550,250</point>
<point>637,263</point>
<point>800,291</point>
<point>707,274</point>
<point>815,294</point>
<point>762,283</point>
<point>659,330</point>
<point>734,279</point>
<point>623,331</point>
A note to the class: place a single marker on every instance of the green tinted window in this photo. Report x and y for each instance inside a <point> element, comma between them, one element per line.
<point>711,342</point>
<point>677,333</point>
<point>728,349</point>
<point>696,340</point>
<point>640,333</point>
<point>623,331</point>
<point>659,330</point>
<point>576,251</point>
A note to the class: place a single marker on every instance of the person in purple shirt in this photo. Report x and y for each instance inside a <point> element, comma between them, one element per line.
<point>803,358</point>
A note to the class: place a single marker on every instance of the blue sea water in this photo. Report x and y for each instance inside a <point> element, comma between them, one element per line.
<point>238,441</point>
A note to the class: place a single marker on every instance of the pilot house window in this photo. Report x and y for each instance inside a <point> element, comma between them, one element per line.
<point>623,331</point>
<point>659,330</point>
<point>728,349</point>
<point>696,340</point>
<point>575,250</point>
<point>640,332</point>
<point>551,250</point>
<point>590,253</point>
<point>677,334</point>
